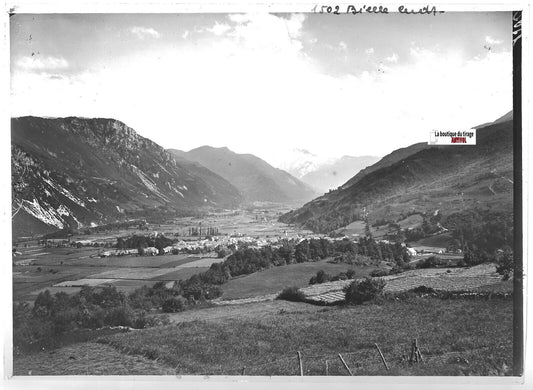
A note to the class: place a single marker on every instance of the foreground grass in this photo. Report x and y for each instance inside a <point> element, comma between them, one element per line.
<point>87,359</point>
<point>456,337</point>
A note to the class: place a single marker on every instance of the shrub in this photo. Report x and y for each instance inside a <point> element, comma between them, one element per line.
<point>379,273</point>
<point>340,276</point>
<point>293,294</point>
<point>396,270</point>
<point>320,277</point>
<point>361,291</point>
<point>430,262</point>
<point>174,305</point>
<point>506,265</point>
<point>423,290</point>
<point>116,316</point>
<point>143,321</point>
<point>350,274</point>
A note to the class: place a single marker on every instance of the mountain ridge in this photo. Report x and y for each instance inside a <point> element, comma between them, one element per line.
<point>74,172</point>
<point>253,177</point>
<point>420,178</point>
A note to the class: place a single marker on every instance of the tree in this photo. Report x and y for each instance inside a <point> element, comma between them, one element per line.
<point>506,265</point>
<point>365,290</point>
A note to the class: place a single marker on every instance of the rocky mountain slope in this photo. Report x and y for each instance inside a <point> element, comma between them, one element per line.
<point>254,178</point>
<point>74,172</point>
<point>421,178</point>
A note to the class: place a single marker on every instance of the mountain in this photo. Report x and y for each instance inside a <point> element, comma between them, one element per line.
<point>301,162</point>
<point>74,172</point>
<point>392,158</point>
<point>504,118</point>
<point>332,175</point>
<point>254,178</point>
<point>422,178</point>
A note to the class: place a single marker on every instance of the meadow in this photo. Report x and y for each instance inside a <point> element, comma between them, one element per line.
<point>273,280</point>
<point>455,337</point>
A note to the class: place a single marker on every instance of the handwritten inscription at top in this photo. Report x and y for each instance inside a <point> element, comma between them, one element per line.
<point>374,9</point>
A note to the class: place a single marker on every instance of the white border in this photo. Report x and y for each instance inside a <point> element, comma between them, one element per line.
<point>144,6</point>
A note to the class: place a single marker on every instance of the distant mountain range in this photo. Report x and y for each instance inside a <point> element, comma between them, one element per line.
<point>73,172</point>
<point>300,162</point>
<point>255,179</point>
<point>331,175</point>
<point>324,173</point>
<point>422,178</point>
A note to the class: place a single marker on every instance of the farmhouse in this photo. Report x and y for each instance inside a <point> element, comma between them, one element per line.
<point>151,251</point>
<point>411,251</point>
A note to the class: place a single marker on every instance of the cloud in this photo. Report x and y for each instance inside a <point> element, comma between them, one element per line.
<point>393,58</point>
<point>144,32</point>
<point>370,50</point>
<point>37,63</point>
<point>219,29</point>
<point>492,41</point>
<point>253,90</point>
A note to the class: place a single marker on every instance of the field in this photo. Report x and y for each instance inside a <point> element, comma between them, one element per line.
<point>275,279</point>
<point>37,268</point>
<point>358,227</point>
<point>439,240</point>
<point>481,278</point>
<point>456,337</point>
<point>247,328</point>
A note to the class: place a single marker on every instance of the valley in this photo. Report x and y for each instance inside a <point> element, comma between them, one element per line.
<point>163,262</point>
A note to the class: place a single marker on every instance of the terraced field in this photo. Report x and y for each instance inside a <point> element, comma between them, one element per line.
<point>444,279</point>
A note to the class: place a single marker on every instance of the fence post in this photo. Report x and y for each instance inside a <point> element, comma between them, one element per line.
<point>345,365</point>
<point>243,370</point>
<point>416,355</point>
<point>382,357</point>
<point>418,352</point>
<point>327,368</point>
<point>300,363</point>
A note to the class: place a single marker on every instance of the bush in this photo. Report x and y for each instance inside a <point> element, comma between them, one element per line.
<point>320,277</point>
<point>350,274</point>
<point>379,273</point>
<point>293,294</point>
<point>358,292</point>
<point>174,305</point>
<point>506,265</point>
<point>430,262</point>
<point>423,290</point>
<point>340,276</point>
<point>396,271</point>
<point>119,316</point>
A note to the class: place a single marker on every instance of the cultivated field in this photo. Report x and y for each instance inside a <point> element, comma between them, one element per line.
<point>475,279</point>
<point>37,268</point>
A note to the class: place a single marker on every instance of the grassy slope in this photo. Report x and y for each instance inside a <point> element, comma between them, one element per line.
<point>87,359</point>
<point>456,337</point>
<point>275,279</point>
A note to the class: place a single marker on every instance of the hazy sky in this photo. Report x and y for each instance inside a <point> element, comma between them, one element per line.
<point>267,83</point>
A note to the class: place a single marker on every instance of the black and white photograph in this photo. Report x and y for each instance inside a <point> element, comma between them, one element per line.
<point>334,191</point>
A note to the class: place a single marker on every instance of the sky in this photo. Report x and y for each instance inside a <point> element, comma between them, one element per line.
<point>267,84</point>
